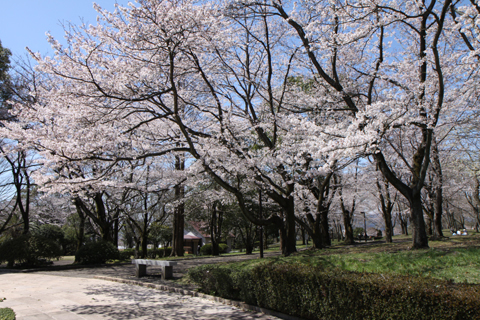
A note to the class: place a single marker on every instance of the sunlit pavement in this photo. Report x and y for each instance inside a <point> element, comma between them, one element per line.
<point>47,296</point>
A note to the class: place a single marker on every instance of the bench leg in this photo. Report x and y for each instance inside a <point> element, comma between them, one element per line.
<point>140,270</point>
<point>167,272</point>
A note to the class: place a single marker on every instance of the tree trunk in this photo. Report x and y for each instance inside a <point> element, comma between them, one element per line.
<point>144,244</point>
<point>419,236</point>
<point>403,224</point>
<point>438,205</point>
<point>178,213</point>
<point>347,222</point>
<point>388,228</point>
<point>104,223</point>
<point>387,207</point>
<point>81,226</point>
<point>290,245</point>
<point>428,223</point>
<point>115,232</point>
<point>215,230</point>
<point>326,240</point>
<point>313,230</point>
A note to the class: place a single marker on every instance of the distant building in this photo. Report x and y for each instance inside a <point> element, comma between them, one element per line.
<point>191,242</point>
<point>198,229</point>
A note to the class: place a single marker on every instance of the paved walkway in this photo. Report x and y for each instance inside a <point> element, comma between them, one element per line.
<point>75,294</point>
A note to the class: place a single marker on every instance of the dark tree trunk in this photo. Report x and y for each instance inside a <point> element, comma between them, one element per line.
<point>347,222</point>
<point>178,227</point>
<point>313,230</point>
<point>326,240</point>
<point>216,229</point>
<point>403,220</point>
<point>178,213</point>
<point>289,245</point>
<point>387,207</point>
<point>144,243</point>
<point>438,205</point>
<point>388,228</point>
<point>419,236</point>
<point>103,222</point>
<point>138,253</point>
<point>411,193</point>
<point>81,226</point>
<point>248,239</point>
<point>428,223</point>
<point>347,216</point>
<point>474,201</point>
<point>116,226</point>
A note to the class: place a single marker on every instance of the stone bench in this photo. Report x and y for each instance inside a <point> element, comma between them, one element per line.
<point>141,267</point>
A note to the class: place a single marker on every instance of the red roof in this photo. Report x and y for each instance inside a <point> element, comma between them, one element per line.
<point>190,237</point>
<point>201,226</point>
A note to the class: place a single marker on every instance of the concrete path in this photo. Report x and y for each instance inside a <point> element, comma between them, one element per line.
<point>39,296</point>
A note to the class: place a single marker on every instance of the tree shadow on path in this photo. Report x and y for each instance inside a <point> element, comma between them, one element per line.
<point>131,302</point>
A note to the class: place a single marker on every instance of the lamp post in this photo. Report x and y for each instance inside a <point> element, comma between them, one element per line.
<point>365,225</point>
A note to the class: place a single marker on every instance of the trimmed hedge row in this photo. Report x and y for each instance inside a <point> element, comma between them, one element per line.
<point>7,314</point>
<point>314,293</point>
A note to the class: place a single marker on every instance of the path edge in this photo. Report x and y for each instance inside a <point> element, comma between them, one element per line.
<point>235,303</point>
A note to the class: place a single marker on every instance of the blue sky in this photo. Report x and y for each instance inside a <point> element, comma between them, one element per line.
<point>24,22</point>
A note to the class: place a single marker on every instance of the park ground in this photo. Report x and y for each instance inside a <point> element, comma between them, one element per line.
<point>67,292</point>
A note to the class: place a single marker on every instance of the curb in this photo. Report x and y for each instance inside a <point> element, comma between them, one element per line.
<point>234,303</point>
<point>70,267</point>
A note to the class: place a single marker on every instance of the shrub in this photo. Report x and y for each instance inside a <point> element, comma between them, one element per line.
<point>223,248</point>
<point>215,280</point>
<point>7,314</point>
<point>49,231</point>
<point>314,293</point>
<point>206,249</point>
<point>96,253</point>
<point>126,254</point>
<point>29,250</point>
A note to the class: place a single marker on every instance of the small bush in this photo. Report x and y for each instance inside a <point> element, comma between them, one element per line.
<point>7,314</point>
<point>96,253</point>
<point>223,248</point>
<point>215,280</point>
<point>206,249</point>
<point>126,254</point>
<point>315,293</point>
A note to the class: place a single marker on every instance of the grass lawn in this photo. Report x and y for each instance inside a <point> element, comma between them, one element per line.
<point>456,258</point>
<point>67,258</point>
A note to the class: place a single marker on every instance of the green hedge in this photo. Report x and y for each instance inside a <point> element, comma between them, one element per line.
<point>206,249</point>
<point>29,250</point>
<point>96,253</point>
<point>7,314</point>
<point>314,293</point>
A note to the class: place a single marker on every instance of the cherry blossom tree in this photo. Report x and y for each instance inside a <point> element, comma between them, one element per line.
<point>261,95</point>
<point>385,89</point>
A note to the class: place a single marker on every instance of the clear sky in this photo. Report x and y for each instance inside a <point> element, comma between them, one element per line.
<point>24,22</point>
